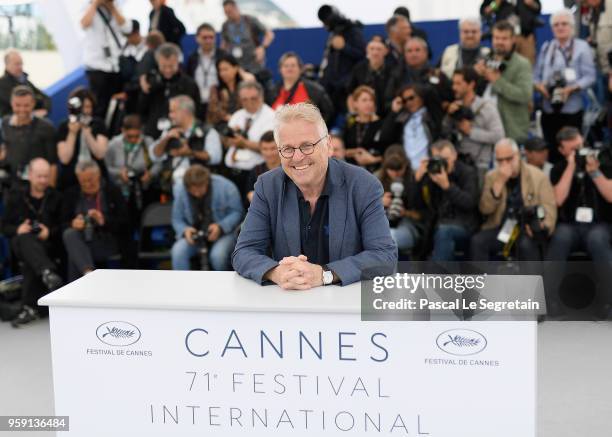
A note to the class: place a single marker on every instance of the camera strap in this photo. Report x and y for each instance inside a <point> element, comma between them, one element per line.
<point>557,48</point>
<point>110,28</point>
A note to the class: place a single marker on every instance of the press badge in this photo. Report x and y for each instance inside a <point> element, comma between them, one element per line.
<point>237,52</point>
<point>506,231</point>
<point>570,75</point>
<point>584,215</point>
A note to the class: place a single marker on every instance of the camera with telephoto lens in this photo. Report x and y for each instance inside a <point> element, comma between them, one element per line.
<point>88,231</point>
<point>581,158</point>
<point>35,228</point>
<point>394,211</point>
<point>555,88</point>
<point>154,79</point>
<point>532,216</point>
<point>175,143</point>
<point>495,64</point>
<point>436,164</point>
<point>228,132</point>
<point>334,20</point>
<point>463,113</point>
<point>75,112</point>
<point>136,186</point>
<point>200,239</point>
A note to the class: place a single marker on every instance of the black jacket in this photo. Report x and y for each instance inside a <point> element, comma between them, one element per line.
<point>7,83</point>
<point>459,204</point>
<point>169,25</point>
<point>528,17</point>
<point>340,63</point>
<point>363,75</point>
<point>116,218</point>
<point>154,105</point>
<point>17,211</point>
<point>318,96</point>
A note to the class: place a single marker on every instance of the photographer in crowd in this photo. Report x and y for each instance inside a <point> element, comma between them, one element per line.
<point>206,212</point>
<point>95,221</point>
<point>31,222</point>
<point>161,84</point>
<point>245,37</point>
<point>399,30</point>
<point>373,72</point>
<point>104,28</point>
<point>519,208</point>
<point>131,168</point>
<point>564,69</point>
<point>473,121</point>
<point>510,84</point>
<point>345,47</point>
<point>468,51</point>
<point>294,88</point>
<point>583,191</point>
<point>187,141</point>
<point>81,137</point>
<point>163,19</point>
<point>401,199</point>
<point>269,152</point>
<point>449,188</point>
<point>201,64</point>
<point>414,121</point>
<point>14,76</point>
<point>26,137</point>
<point>245,128</point>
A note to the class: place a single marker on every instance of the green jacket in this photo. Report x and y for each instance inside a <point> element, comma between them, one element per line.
<point>514,91</point>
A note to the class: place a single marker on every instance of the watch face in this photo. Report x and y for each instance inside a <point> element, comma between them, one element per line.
<point>328,277</point>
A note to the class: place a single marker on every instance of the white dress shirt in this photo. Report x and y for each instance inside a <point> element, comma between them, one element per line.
<point>98,37</point>
<point>262,121</point>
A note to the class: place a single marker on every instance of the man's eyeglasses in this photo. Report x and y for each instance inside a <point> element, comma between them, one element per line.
<point>407,99</point>
<point>306,149</point>
<point>506,159</point>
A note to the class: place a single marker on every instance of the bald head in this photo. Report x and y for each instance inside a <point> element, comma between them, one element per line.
<point>39,175</point>
<point>13,63</point>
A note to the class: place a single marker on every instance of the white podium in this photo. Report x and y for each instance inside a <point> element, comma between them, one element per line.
<point>161,353</point>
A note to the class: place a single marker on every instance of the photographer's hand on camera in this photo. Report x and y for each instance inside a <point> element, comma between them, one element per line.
<point>386,200</point>
<point>214,232</point>
<point>440,179</point>
<point>422,170</point>
<point>184,150</point>
<point>592,164</point>
<point>25,227</point>
<point>542,89</point>
<point>123,174</point>
<point>97,216</point>
<point>78,222</point>
<point>188,233</point>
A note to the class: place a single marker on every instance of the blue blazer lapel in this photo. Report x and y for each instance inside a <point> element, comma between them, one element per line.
<point>338,205</point>
<point>290,217</point>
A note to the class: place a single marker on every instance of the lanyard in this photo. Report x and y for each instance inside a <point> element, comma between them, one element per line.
<point>556,47</point>
<point>205,70</point>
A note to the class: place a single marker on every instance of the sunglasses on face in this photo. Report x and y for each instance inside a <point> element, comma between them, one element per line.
<point>407,99</point>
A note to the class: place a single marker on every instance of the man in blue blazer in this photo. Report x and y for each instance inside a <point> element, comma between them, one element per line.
<point>314,220</point>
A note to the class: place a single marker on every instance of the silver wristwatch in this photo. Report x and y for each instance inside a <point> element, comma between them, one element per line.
<point>328,277</point>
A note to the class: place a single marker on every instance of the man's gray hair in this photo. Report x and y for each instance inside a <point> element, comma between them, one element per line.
<point>87,165</point>
<point>443,144</point>
<point>418,40</point>
<point>167,50</point>
<point>508,142</point>
<point>184,102</point>
<point>475,21</point>
<point>251,85</point>
<point>301,111</point>
<point>564,13</point>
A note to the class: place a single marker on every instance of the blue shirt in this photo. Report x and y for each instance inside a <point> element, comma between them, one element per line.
<point>416,141</point>
<point>575,55</point>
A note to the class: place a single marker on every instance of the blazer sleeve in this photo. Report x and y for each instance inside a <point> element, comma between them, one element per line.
<point>379,249</point>
<point>250,257</point>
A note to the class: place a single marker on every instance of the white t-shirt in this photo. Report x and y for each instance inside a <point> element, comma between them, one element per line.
<point>98,37</point>
<point>262,121</point>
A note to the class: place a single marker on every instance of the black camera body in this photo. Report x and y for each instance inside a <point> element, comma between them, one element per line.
<point>154,79</point>
<point>532,216</point>
<point>581,158</point>
<point>75,112</point>
<point>200,239</point>
<point>90,226</point>
<point>175,143</point>
<point>436,164</point>
<point>495,64</point>
<point>555,89</point>
<point>36,228</point>
<point>334,20</point>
